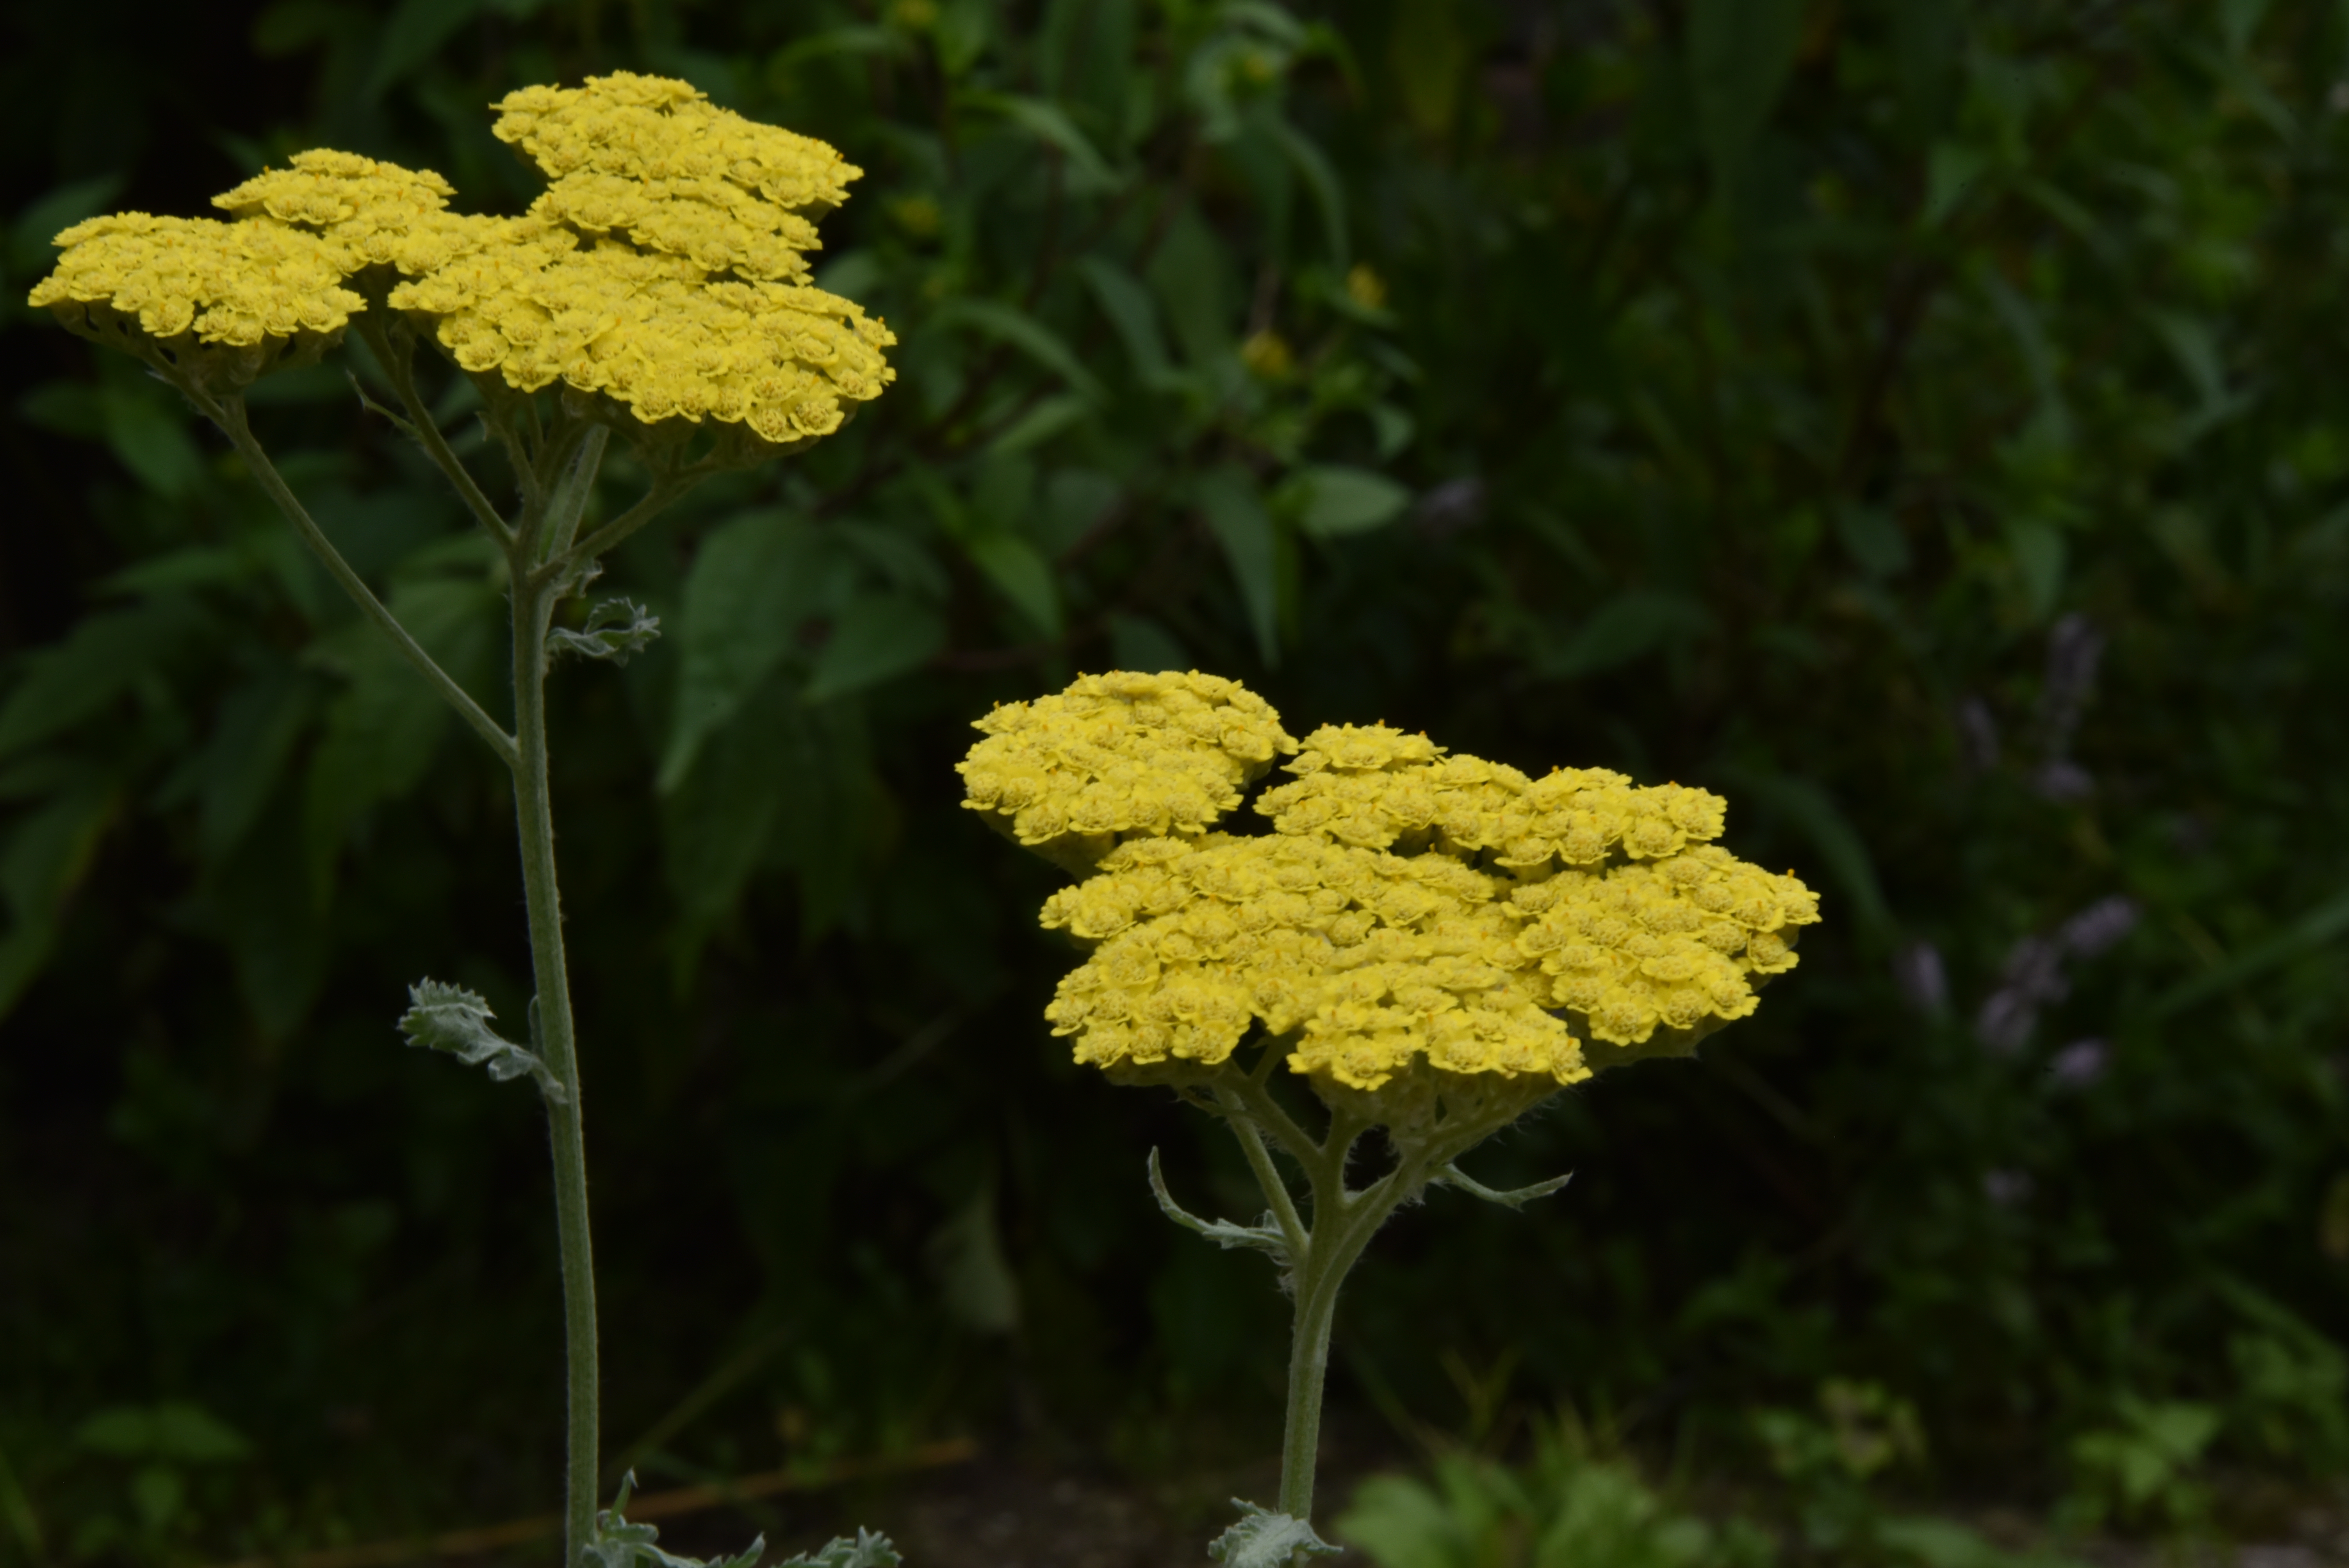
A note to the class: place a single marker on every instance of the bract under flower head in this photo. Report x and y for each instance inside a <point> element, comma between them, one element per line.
<point>1120,754</point>
<point>224,301</point>
<point>1418,925</point>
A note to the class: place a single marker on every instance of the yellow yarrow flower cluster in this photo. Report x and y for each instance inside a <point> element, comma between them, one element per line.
<point>260,292</point>
<point>369,213</point>
<point>1373,960</point>
<point>1120,754</point>
<point>1413,912</point>
<point>661,270</point>
<point>661,277</point>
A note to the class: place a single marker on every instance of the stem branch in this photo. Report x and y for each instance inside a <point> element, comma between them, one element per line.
<point>228,413</point>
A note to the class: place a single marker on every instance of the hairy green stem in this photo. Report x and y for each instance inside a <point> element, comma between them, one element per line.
<point>228,413</point>
<point>534,819</point>
<point>534,610</point>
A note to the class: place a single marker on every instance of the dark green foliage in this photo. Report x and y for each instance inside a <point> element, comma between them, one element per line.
<point>1915,420</point>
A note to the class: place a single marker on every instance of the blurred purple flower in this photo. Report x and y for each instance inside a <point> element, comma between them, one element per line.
<point>2033,977</point>
<point>2062,782</point>
<point>1452,507</point>
<point>1977,735</point>
<point>2006,1188</point>
<point>2098,926</point>
<point>2080,1064</point>
<point>1918,971</point>
<point>2074,649</point>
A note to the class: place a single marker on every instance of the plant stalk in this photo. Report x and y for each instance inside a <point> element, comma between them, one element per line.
<point>534,608</point>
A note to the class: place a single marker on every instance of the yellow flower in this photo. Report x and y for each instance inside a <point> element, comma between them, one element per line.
<point>220,299</point>
<point>371,213</point>
<point>1120,754</point>
<point>1266,353</point>
<point>1365,287</point>
<point>1419,922</point>
<point>662,271</point>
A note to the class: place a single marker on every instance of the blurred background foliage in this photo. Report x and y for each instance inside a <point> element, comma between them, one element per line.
<point>1910,418</point>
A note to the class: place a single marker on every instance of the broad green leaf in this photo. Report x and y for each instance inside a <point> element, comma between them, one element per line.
<point>104,656</point>
<point>44,857</point>
<point>1023,576</point>
<point>246,757</point>
<point>1811,811</point>
<point>30,249</point>
<point>452,1019</point>
<point>2313,930</point>
<point>784,63</point>
<point>260,903</point>
<point>1008,324</point>
<point>753,581</point>
<point>1237,517</point>
<point>1192,276</point>
<point>2041,555</point>
<point>1335,501</point>
<point>1628,627</point>
<point>148,428</point>
<point>412,35</point>
<point>1040,424</point>
<point>1089,172</point>
<point>1263,1539</point>
<point>1739,55</point>
<point>384,727</point>
<point>1139,643</point>
<point>1128,306</point>
<point>1321,180</point>
<point>172,1432</point>
<point>877,638</point>
<point>966,1252</point>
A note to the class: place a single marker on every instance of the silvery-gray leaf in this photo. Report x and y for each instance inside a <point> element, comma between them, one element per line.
<point>450,1018</point>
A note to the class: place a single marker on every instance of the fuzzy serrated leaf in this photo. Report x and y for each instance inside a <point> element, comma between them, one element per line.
<point>1263,1539</point>
<point>1263,1237</point>
<point>621,1544</point>
<point>616,629</point>
<point>453,1019</point>
<point>867,1551</point>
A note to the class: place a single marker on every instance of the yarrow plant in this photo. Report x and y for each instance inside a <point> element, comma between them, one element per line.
<point>655,291</point>
<point>1435,944</point>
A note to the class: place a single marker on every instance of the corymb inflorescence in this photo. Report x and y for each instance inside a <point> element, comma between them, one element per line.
<point>1412,911</point>
<point>661,281</point>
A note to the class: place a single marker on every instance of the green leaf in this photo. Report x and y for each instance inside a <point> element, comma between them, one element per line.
<point>1227,499</point>
<point>1090,173</point>
<point>966,1252</point>
<point>1262,1237</point>
<point>867,1551</point>
<point>103,657</point>
<point>1335,501</point>
<point>1263,1539</point>
<point>149,431</point>
<point>1016,329</point>
<point>262,903</point>
<point>384,727</point>
<point>452,1019</point>
<point>877,638</point>
<point>176,1431</point>
<point>1023,576</point>
<point>1810,810</point>
<point>44,860</point>
<point>616,629</point>
<point>1321,180</point>
<point>31,247</point>
<point>246,757</point>
<point>1628,627</point>
<point>1127,304</point>
<point>753,581</point>
<point>411,35</point>
<point>1046,419</point>
<point>620,1545</point>
<point>1739,55</point>
<point>1511,1198</point>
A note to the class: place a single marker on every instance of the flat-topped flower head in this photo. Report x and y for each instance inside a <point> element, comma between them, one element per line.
<point>221,303</point>
<point>1119,755</point>
<point>652,159</point>
<point>660,279</point>
<point>369,212</point>
<point>1421,926</point>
